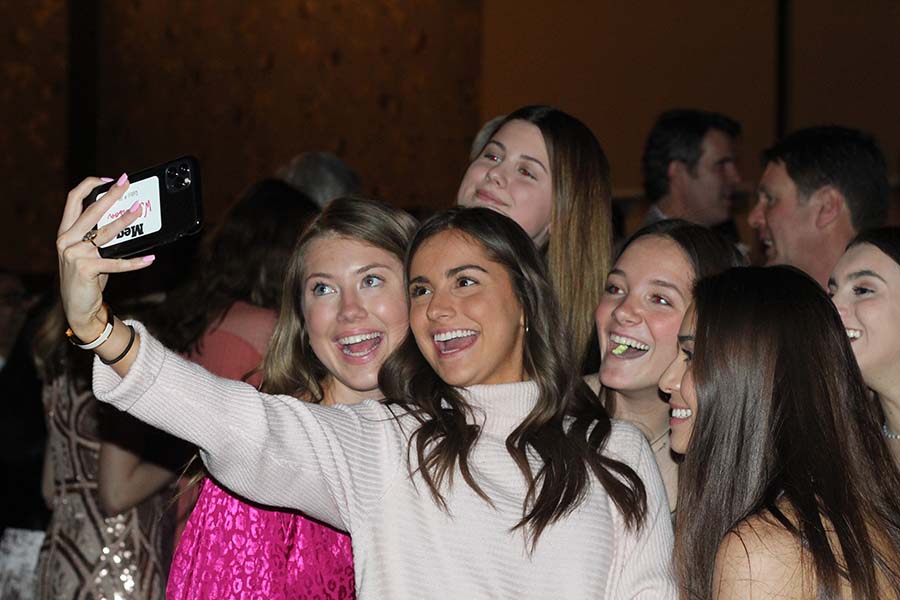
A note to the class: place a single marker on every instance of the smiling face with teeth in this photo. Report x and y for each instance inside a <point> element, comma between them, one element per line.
<point>354,306</point>
<point>647,293</point>
<point>865,288</point>
<point>464,312</point>
<point>678,382</point>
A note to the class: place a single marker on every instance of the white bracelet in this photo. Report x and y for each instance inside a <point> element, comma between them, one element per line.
<point>103,337</point>
<point>110,320</point>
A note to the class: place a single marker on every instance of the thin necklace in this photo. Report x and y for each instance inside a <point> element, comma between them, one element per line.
<point>888,433</point>
<point>666,432</point>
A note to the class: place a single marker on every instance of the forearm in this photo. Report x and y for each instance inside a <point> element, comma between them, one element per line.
<point>275,450</point>
<point>126,480</point>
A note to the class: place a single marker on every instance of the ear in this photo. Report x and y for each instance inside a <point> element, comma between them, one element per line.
<point>830,204</point>
<point>676,171</point>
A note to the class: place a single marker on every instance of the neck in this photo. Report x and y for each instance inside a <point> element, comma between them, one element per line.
<point>336,392</point>
<point>890,404</point>
<point>672,207</point>
<point>823,256</point>
<point>645,409</point>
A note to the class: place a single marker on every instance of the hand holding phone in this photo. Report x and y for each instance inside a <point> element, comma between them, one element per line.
<point>168,196</point>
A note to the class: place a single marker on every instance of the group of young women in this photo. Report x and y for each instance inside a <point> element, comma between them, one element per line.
<point>424,392</point>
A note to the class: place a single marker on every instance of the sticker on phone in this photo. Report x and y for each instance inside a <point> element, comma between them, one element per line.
<point>146,192</point>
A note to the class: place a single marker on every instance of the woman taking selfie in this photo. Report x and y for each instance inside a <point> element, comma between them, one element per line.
<point>471,481</point>
<point>787,489</point>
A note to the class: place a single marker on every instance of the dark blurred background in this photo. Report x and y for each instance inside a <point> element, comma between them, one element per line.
<point>397,88</point>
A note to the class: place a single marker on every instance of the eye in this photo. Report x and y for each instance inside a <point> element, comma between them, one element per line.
<point>415,291</point>
<point>491,157</point>
<point>859,290</point>
<point>662,300</point>
<point>688,354</point>
<point>465,282</point>
<point>372,281</point>
<point>612,288</point>
<point>321,289</point>
<point>527,173</point>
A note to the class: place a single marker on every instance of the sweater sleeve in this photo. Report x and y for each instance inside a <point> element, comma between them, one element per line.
<point>642,563</point>
<point>332,463</point>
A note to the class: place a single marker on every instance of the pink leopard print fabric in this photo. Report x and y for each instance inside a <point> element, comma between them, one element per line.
<point>234,550</point>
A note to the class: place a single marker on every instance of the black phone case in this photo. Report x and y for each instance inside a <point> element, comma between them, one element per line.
<point>180,206</point>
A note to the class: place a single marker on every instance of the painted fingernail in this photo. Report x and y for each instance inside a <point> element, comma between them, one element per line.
<point>149,258</point>
<point>135,207</point>
<point>123,179</point>
<point>106,179</point>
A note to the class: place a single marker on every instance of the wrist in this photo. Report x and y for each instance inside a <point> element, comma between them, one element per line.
<point>90,334</point>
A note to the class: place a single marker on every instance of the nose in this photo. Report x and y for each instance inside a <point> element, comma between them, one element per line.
<point>840,304</point>
<point>757,217</point>
<point>670,380</point>
<point>440,306</point>
<point>496,174</point>
<point>627,312</point>
<point>351,309</point>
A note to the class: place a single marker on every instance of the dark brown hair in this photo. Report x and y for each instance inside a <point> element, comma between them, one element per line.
<point>569,455</point>
<point>784,418</point>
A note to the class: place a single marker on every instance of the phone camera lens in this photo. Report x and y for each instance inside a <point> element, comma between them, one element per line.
<point>171,172</point>
<point>184,169</point>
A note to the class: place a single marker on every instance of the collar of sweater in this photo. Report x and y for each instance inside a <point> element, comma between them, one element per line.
<point>500,408</point>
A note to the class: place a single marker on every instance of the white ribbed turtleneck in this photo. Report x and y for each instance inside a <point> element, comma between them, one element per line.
<point>346,465</point>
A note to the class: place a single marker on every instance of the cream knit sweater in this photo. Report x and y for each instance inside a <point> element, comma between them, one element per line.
<point>346,465</point>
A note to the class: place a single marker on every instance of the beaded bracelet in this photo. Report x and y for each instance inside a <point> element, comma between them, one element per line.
<point>110,319</point>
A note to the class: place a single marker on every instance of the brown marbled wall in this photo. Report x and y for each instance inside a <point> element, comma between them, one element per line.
<point>388,85</point>
<point>33,132</point>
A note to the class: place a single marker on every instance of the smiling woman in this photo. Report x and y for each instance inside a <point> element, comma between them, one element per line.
<point>865,288</point>
<point>647,293</point>
<point>544,169</point>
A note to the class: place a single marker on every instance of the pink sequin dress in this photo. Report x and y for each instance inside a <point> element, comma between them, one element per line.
<point>232,549</point>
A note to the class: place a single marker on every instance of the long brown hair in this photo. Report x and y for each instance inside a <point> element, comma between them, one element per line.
<point>290,366</point>
<point>579,246</point>
<point>569,455</point>
<point>784,418</point>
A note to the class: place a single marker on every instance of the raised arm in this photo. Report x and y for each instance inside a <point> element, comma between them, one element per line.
<point>332,463</point>
<point>83,273</point>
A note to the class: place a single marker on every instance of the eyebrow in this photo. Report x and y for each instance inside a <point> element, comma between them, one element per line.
<point>450,273</point>
<point>659,282</point>
<point>524,156</point>
<point>685,338</point>
<point>358,271</point>
<point>832,282</point>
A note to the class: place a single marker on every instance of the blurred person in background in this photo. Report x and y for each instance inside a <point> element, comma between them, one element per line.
<point>820,187</point>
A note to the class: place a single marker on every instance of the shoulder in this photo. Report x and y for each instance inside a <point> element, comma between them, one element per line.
<point>626,443</point>
<point>758,559</point>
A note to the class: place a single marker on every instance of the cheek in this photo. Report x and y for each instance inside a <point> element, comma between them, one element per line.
<point>531,208</point>
<point>318,316</point>
<point>473,174</point>
<point>603,317</point>
<point>665,334</point>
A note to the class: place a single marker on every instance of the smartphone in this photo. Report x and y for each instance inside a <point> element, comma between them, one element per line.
<point>170,204</point>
